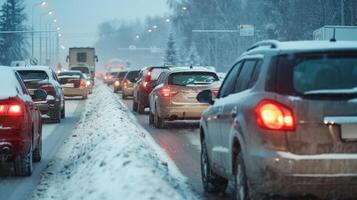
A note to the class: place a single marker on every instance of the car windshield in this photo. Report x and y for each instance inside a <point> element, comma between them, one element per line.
<point>33,75</point>
<point>192,78</point>
<point>121,75</point>
<point>131,76</point>
<point>84,70</point>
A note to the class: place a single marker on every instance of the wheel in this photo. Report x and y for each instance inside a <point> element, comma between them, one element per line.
<point>85,96</point>
<point>37,153</point>
<point>212,182</point>
<point>135,106</point>
<point>151,118</point>
<point>124,96</point>
<point>23,164</point>
<point>63,112</point>
<point>56,118</point>
<point>158,121</point>
<point>141,108</point>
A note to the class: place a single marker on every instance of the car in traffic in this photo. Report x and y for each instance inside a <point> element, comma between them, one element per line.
<point>284,122</point>
<point>118,81</point>
<point>110,77</point>
<point>20,123</point>
<point>174,97</point>
<point>74,84</point>
<point>145,84</point>
<point>129,83</point>
<point>43,77</point>
<point>85,69</point>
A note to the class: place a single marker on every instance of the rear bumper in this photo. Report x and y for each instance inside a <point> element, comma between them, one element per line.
<point>182,111</point>
<point>11,145</point>
<point>128,91</point>
<point>323,176</point>
<point>72,92</point>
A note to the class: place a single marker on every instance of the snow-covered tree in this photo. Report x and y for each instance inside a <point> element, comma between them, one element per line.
<point>171,52</point>
<point>12,18</point>
<point>193,58</point>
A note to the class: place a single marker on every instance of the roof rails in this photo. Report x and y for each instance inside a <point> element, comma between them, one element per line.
<point>272,43</point>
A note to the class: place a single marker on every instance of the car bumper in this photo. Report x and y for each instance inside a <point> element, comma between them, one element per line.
<point>286,174</point>
<point>11,145</point>
<point>72,92</point>
<point>182,112</point>
<point>128,91</point>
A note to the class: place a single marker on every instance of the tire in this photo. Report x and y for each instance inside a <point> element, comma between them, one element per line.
<point>212,183</point>
<point>63,112</point>
<point>158,121</point>
<point>37,153</point>
<point>135,106</point>
<point>151,118</point>
<point>23,164</point>
<point>124,96</point>
<point>57,115</point>
<point>85,96</point>
<point>141,108</point>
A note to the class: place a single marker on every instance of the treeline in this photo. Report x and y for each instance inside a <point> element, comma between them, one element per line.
<point>273,19</point>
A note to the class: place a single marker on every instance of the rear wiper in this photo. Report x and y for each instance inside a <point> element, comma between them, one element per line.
<point>352,91</point>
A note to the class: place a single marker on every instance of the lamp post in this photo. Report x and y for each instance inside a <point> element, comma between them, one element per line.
<point>45,14</point>
<point>43,3</point>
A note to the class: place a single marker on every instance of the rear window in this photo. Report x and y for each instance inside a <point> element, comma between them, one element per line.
<point>121,75</point>
<point>132,75</point>
<point>69,74</point>
<point>192,78</point>
<point>317,73</point>
<point>84,70</point>
<point>33,75</point>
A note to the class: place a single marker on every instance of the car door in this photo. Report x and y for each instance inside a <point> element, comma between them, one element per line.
<point>214,118</point>
<point>233,105</point>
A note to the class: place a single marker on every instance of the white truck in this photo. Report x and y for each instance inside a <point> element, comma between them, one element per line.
<point>342,33</point>
<point>82,56</point>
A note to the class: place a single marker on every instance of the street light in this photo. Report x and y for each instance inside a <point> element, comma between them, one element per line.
<point>168,20</point>
<point>58,28</point>
<point>155,27</point>
<point>42,4</point>
<point>184,8</point>
<point>150,30</point>
<point>137,36</point>
<point>49,13</point>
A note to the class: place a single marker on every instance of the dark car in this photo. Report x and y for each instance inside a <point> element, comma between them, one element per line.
<point>118,81</point>
<point>38,77</point>
<point>129,83</point>
<point>20,123</point>
<point>146,83</point>
<point>284,123</point>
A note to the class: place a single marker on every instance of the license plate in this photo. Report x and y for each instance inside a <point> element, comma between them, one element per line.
<point>68,85</point>
<point>349,131</point>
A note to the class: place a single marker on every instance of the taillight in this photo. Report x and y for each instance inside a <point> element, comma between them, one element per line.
<point>167,92</point>
<point>273,115</point>
<point>125,83</point>
<point>215,93</point>
<point>82,83</point>
<point>49,89</point>
<point>12,110</point>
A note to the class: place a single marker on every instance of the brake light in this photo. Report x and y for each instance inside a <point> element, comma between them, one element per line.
<point>167,92</point>
<point>145,83</point>
<point>10,110</point>
<point>273,115</point>
<point>125,83</point>
<point>49,89</point>
<point>82,83</point>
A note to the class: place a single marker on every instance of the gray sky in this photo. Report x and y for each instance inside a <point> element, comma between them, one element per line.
<point>79,19</point>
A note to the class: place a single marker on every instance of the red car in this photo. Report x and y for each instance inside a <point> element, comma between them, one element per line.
<point>20,123</point>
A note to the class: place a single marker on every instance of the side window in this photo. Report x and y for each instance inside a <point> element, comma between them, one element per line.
<point>21,84</point>
<point>161,78</point>
<point>255,74</point>
<point>230,81</point>
<point>245,76</point>
<point>55,76</point>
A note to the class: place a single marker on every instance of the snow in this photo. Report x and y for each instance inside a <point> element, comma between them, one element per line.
<point>8,83</point>
<point>109,156</point>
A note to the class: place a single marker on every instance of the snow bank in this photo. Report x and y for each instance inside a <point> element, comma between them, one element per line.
<point>109,156</point>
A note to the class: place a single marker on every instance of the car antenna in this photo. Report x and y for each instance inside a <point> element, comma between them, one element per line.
<point>333,39</point>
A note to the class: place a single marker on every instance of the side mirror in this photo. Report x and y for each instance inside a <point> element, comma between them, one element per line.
<point>40,95</point>
<point>205,97</point>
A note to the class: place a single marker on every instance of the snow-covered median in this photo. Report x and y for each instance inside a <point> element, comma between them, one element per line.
<point>109,156</point>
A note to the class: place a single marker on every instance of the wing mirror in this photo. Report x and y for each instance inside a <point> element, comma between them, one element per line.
<point>205,97</point>
<point>40,95</point>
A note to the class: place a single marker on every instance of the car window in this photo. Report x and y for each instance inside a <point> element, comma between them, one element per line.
<point>162,78</point>
<point>230,81</point>
<point>245,75</point>
<point>33,75</point>
<point>21,84</point>
<point>192,78</point>
<point>255,74</point>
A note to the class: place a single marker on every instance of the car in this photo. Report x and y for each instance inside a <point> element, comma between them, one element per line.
<point>145,84</point>
<point>118,81</point>
<point>20,123</point>
<point>109,78</point>
<point>74,84</point>
<point>85,69</point>
<point>174,97</point>
<point>43,77</point>
<point>89,84</point>
<point>129,83</point>
<point>284,122</point>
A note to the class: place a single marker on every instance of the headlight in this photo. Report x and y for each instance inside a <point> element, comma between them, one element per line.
<point>117,83</point>
<point>88,83</point>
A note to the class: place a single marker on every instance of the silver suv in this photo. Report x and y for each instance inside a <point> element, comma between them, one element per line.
<point>284,123</point>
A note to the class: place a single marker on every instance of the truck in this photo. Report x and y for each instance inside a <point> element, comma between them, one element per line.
<point>342,33</point>
<point>83,56</point>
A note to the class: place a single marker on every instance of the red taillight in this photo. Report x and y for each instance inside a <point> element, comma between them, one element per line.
<point>273,115</point>
<point>49,89</point>
<point>167,92</point>
<point>215,93</point>
<point>82,83</point>
<point>10,110</point>
<point>125,83</point>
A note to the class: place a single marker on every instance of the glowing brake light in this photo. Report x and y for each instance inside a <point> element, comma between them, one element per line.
<point>274,116</point>
<point>10,110</point>
<point>167,92</point>
<point>82,83</point>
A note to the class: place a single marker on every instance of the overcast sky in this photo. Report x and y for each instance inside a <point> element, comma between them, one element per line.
<point>79,19</point>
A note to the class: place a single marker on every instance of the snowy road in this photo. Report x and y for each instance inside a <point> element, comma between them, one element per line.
<point>181,142</point>
<point>14,188</point>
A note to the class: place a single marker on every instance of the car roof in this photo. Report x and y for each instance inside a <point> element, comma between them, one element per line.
<point>192,69</point>
<point>32,68</point>
<point>72,71</point>
<point>7,82</point>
